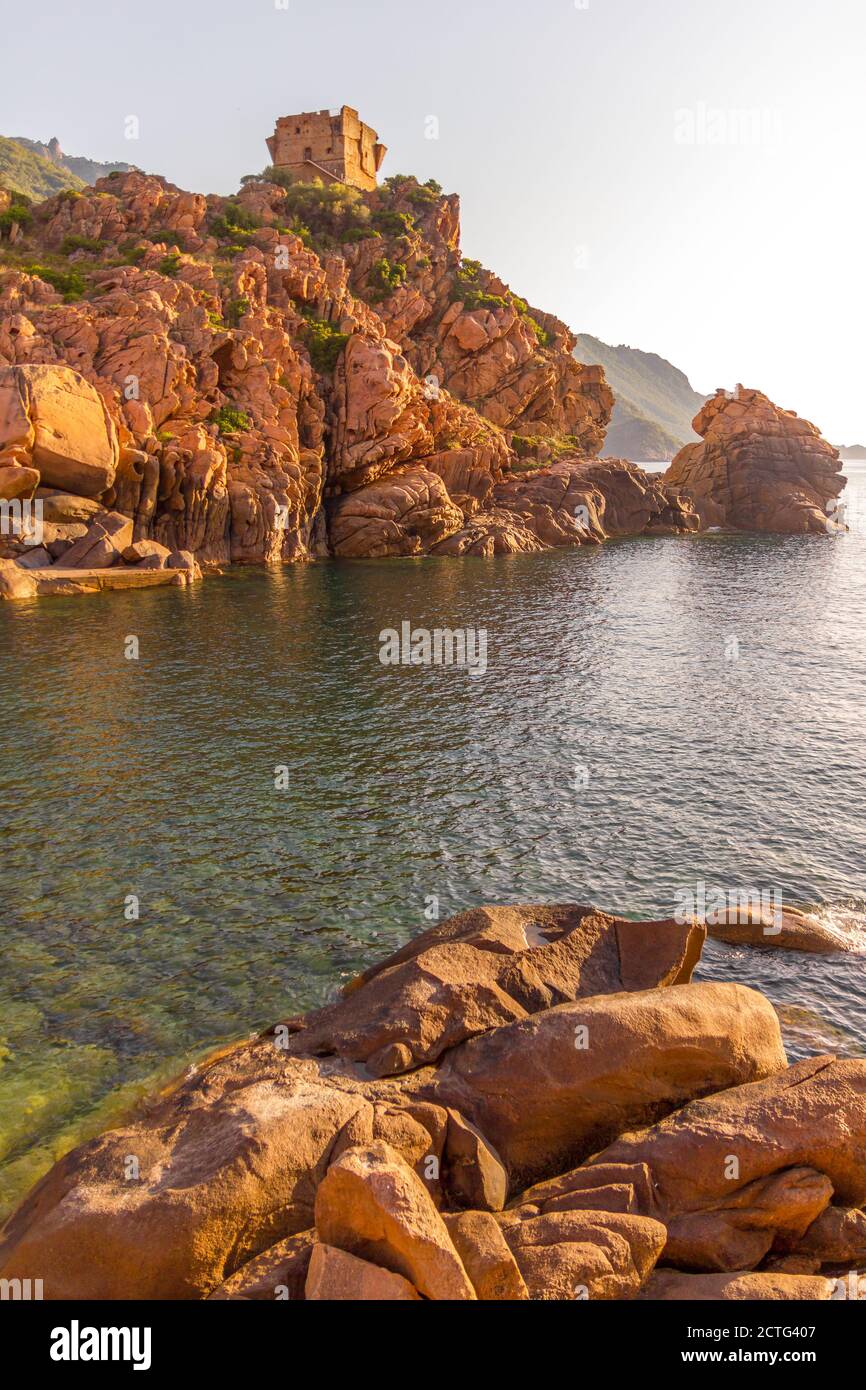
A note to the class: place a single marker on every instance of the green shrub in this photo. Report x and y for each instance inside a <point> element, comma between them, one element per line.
<point>421,194</point>
<point>387,277</point>
<point>229,420</point>
<point>283,178</point>
<point>170,265</point>
<point>354,234</point>
<point>541,333</point>
<point>19,212</point>
<point>70,283</point>
<point>422,197</point>
<point>394,223</point>
<point>235,310</point>
<point>323,342</point>
<point>71,244</point>
<point>240,217</point>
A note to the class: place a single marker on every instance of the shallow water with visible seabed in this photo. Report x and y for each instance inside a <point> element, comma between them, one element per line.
<point>606,666</point>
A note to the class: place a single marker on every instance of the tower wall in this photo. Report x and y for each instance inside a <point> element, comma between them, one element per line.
<point>318,144</point>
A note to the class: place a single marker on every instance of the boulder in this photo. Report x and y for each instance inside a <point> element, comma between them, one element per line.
<point>738,1171</point>
<point>603,1187</point>
<point>836,1237</point>
<point>183,560</point>
<point>550,1090</point>
<point>739,1230</point>
<point>487,967</point>
<point>147,550</point>
<point>474,1175</point>
<point>792,930</point>
<point>478,1239</point>
<point>227,1169</point>
<point>61,422</point>
<point>759,468</point>
<point>373,1205</point>
<point>335,1276</point>
<point>35,557</point>
<point>106,539</point>
<point>578,1255</point>
<point>66,507</point>
<point>278,1273</point>
<point>60,536</point>
<point>668,1285</point>
<point>17,480</point>
<point>406,513</point>
<point>15,582</point>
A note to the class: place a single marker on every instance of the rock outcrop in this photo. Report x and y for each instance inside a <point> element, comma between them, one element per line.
<point>256,388</point>
<point>486,968</point>
<point>55,422</point>
<point>751,1169</point>
<point>382,1148</point>
<point>789,930</point>
<point>759,468</point>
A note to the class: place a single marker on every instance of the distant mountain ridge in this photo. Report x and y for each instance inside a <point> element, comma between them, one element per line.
<point>39,170</point>
<point>852,451</point>
<point>655,401</point>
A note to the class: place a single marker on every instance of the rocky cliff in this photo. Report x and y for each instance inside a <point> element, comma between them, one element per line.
<point>300,371</point>
<point>281,381</point>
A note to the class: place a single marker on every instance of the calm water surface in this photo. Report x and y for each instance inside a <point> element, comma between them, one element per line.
<point>156,778</point>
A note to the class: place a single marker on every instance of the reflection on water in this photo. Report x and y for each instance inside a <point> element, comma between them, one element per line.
<point>613,753</point>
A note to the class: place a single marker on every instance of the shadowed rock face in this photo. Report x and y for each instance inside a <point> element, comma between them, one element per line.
<point>273,1172</point>
<point>798,1142</point>
<point>759,468</point>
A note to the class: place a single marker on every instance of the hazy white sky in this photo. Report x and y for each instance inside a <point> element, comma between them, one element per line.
<point>685,176</point>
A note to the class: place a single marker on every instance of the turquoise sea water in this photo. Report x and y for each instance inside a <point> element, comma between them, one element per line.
<point>613,753</point>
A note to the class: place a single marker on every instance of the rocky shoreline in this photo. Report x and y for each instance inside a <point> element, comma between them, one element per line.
<point>524,1103</point>
<point>190,382</point>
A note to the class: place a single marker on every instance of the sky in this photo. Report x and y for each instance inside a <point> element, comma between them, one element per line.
<point>684,176</point>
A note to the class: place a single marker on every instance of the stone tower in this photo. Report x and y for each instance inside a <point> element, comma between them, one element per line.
<point>332,145</point>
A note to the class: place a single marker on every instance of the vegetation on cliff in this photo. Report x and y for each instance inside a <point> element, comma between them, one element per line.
<point>25,171</point>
